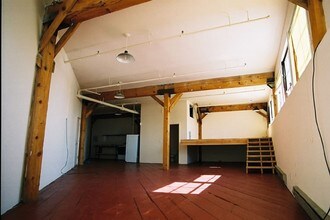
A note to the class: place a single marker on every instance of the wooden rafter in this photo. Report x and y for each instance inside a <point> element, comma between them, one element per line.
<point>193,86</point>
<point>175,100</point>
<point>158,100</point>
<point>88,9</point>
<point>201,115</point>
<point>317,21</point>
<point>67,35</point>
<point>301,3</point>
<point>90,109</point>
<point>240,107</point>
<point>61,15</point>
<point>263,114</point>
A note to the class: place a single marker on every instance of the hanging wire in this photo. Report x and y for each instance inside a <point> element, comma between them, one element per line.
<point>315,111</point>
<point>126,41</point>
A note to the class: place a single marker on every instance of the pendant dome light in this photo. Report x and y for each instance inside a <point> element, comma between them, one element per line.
<point>119,94</point>
<point>125,57</point>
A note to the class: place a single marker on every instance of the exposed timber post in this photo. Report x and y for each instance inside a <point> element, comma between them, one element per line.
<point>168,104</point>
<point>37,124</point>
<point>83,127</point>
<point>166,134</point>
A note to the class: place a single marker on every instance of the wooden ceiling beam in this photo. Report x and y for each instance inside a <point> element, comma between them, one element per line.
<point>175,100</point>
<point>301,3</point>
<point>193,86</point>
<point>262,114</point>
<point>67,35</point>
<point>88,9</point>
<point>240,107</point>
<point>203,115</point>
<point>158,100</point>
<point>61,15</point>
<point>90,108</point>
<point>317,21</point>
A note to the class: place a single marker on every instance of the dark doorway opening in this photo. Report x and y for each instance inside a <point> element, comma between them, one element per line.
<point>174,144</point>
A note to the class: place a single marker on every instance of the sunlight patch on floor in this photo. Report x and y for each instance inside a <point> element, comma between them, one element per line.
<point>196,187</point>
<point>207,178</point>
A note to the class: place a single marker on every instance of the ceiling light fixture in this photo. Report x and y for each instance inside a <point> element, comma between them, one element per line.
<point>125,57</point>
<point>119,94</point>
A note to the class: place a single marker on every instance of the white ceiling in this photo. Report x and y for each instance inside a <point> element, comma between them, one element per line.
<point>246,48</point>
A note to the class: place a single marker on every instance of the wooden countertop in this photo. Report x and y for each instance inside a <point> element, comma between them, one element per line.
<point>225,141</point>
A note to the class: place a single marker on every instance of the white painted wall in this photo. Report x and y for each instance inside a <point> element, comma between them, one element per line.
<point>235,124</point>
<point>64,108</point>
<point>297,145</point>
<point>151,140</point>
<point>178,116</point>
<point>17,76</point>
<point>21,22</point>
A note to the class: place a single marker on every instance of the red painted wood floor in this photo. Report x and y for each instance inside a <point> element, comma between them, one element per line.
<point>116,190</point>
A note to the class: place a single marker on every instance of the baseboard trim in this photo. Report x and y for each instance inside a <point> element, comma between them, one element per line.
<point>281,174</point>
<point>310,207</point>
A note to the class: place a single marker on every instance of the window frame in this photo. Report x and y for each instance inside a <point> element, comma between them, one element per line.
<point>286,71</point>
<point>293,47</point>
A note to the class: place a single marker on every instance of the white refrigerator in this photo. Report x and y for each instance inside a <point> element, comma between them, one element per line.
<point>132,147</point>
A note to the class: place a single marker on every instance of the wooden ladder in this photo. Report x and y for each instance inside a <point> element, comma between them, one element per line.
<point>260,155</point>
